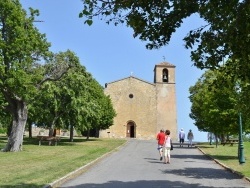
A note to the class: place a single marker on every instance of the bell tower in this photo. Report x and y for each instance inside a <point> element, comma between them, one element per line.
<point>164,79</point>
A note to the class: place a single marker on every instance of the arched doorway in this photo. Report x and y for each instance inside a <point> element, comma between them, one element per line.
<point>131,129</point>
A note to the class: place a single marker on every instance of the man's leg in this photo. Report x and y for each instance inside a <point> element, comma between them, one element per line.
<point>161,152</point>
<point>182,142</point>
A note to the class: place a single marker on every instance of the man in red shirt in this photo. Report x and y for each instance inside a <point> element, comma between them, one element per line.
<point>161,139</point>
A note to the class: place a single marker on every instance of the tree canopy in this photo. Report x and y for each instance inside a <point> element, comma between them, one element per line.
<point>75,101</point>
<point>224,36</point>
<point>26,64</point>
<point>216,103</point>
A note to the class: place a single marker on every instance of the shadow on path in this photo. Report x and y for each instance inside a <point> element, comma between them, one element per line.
<point>143,184</point>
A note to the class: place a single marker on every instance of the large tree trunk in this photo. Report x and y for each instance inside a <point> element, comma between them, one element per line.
<point>19,113</point>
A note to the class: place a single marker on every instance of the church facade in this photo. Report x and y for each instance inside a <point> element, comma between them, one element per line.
<point>143,108</point>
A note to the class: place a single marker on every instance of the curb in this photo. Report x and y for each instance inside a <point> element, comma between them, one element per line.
<point>226,167</point>
<point>81,169</point>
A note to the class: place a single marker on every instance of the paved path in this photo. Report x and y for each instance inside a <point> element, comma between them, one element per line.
<point>137,164</point>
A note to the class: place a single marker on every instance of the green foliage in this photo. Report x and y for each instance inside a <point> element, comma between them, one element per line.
<point>216,103</point>
<point>26,64</point>
<point>31,75</point>
<point>53,98</point>
<point>246,137</point>
<point>76,100</point>
<point>3,130</point>
<point>22,46</point>
<point>224,34</point>
<point>107,113</point>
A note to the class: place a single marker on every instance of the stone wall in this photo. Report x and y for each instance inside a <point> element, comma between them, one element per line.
<point>134,100</point>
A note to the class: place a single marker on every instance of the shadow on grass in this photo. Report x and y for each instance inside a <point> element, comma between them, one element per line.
<point>64,141</point>
<point>224,158</point>
<point>200,146</point>
<point>23,185</point>
<point>3,138</point>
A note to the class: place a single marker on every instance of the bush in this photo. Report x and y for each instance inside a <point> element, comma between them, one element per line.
<point>3,130</point>
<point>246,137</point>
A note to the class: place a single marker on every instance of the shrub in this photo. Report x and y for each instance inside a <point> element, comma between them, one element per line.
<point>3,130</point>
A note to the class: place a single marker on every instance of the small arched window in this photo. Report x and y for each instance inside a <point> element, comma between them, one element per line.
<point>165,75</point>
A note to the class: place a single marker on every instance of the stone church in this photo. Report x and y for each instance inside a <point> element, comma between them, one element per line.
<point>143,108</point>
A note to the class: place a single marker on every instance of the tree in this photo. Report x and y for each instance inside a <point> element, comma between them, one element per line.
<point>86,102</point>
<point>96,110</point>
<point>75,101</point>
<point>107,113</point>
<point>224,36</point>
<point>26,64</point>
<point>5,118</point>
<point>102,108</point>
<point>215,104</point>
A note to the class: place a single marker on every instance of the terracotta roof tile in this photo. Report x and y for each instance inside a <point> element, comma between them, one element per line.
<point>165,64</point>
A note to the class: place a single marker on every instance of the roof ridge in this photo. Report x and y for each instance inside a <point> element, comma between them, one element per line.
<point>165,63</point>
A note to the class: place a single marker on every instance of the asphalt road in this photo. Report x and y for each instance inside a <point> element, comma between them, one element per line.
<point>137,164</point>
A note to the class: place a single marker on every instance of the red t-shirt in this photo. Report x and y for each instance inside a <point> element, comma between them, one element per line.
<point>161,138</point>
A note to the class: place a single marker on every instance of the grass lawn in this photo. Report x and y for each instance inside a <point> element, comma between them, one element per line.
<point>228,155</point>
<point>37,165</point>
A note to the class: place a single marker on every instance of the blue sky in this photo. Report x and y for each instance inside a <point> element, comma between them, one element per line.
<point>111,53</point>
